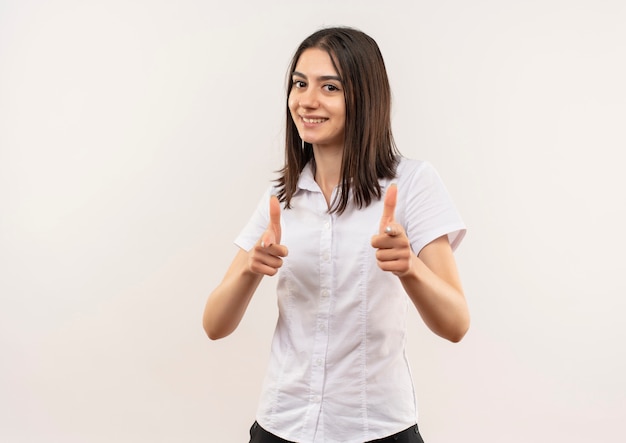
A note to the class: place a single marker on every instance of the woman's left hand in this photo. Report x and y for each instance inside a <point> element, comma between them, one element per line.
<point>393,249</point>
<point>430,280</point>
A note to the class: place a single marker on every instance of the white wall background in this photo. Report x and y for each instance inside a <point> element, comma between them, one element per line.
<point>136,137</point>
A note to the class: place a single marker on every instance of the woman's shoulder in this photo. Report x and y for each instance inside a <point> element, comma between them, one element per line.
<point>410,169</point>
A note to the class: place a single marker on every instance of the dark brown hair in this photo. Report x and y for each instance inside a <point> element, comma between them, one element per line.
<point>369,149</point>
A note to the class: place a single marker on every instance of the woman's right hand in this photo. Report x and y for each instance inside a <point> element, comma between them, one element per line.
<point>227,303</point>
<point>265,258</point>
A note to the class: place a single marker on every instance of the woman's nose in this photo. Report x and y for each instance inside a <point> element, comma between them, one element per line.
<point>309,98</point>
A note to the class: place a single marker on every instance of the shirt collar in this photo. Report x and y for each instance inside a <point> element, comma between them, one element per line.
<point>307,181</point>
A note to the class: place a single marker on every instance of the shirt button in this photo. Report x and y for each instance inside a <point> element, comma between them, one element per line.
<point>324,293</point>
<point>322,327</point>
<point>319,362</point>
<point>326,256</point>
<point>327,225</point>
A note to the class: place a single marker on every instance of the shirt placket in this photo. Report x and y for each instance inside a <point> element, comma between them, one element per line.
<point>320,343</point>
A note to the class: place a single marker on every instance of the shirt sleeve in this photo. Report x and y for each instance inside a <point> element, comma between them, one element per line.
<point>257,224</point>
<point>429,211</point>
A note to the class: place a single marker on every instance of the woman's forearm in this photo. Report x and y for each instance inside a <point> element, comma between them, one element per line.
<point>227,304</point>
<point>440,301</point>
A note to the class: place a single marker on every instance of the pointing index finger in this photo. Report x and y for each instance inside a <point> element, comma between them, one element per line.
<point>275,217</point>
<point>389,207</point>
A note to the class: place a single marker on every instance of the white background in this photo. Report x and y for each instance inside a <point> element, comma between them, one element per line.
<point>136,137</point>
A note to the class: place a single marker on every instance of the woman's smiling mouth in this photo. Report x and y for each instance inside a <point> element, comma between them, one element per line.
<point>313,120</point>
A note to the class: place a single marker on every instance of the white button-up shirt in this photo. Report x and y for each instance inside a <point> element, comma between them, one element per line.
<point>338,370</point>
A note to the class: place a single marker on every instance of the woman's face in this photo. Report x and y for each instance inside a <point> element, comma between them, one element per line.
<point>316,100</point>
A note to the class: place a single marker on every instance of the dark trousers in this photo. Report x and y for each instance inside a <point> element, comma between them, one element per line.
<point>410,435</point>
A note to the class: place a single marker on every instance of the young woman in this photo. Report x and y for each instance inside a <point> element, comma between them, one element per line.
<point>356,233</point>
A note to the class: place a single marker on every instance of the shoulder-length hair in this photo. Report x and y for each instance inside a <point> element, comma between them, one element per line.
<point>369,152</point>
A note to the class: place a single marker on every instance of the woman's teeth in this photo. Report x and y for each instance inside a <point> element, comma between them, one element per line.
<point>313,120</point>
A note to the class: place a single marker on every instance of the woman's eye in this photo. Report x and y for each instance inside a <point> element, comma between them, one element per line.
<point>299,84</point>
<point>331,88</point>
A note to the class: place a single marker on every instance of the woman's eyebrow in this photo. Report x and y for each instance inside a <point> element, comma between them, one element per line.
<point>321,77</point>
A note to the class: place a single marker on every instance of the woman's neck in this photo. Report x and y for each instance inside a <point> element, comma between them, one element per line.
<point>327,170</point>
